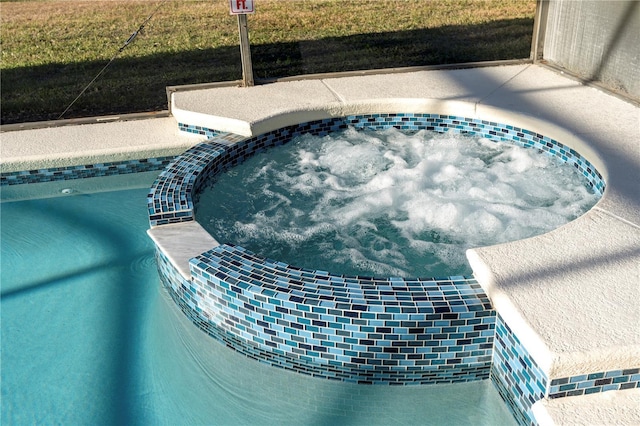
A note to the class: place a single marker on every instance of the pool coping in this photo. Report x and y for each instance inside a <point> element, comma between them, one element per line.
<point>602,128</point>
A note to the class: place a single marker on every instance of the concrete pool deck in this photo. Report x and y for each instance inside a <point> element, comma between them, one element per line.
<point>573,293</point>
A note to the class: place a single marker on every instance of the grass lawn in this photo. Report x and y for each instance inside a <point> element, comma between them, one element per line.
<point>51,49</point>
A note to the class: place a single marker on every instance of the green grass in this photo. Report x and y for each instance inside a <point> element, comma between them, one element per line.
<point>52,49</point>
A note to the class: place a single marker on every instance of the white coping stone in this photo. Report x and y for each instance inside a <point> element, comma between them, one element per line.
<point>94,143</point>
<point>260,109</point>
<point>621,408</point>
<point>241,109</point>
<point>467,85</point>
<point>182,241</point>
<point>570,295</point>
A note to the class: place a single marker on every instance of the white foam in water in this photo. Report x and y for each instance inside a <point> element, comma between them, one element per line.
<point>388,203</point>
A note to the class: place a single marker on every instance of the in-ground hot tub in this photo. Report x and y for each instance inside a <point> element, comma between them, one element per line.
<point>360,329</point>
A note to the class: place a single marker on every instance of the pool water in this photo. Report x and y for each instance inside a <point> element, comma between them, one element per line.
<point>390,203</point>
<point>90,337</point>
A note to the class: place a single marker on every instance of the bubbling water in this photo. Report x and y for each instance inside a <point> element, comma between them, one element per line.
<point>387,203</point>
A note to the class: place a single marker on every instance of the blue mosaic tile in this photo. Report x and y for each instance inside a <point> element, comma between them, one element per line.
<point>594,383</point>
<point>519,380</point>
<point>314,323</point>
<point>170,198</point>
<point>198,130</point>
<point>83,171</point>
<point>521,383</point>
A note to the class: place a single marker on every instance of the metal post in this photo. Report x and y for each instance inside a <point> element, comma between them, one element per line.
<point>539,29</point>
<point>245,52</point>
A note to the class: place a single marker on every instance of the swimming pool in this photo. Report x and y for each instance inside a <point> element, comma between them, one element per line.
<point>89,336</point>
<point>563,319</point>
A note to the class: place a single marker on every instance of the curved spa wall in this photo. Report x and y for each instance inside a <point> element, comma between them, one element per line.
<point>360,329</point>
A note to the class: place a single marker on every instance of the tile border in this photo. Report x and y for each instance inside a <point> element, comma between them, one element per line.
<point>84,171</point>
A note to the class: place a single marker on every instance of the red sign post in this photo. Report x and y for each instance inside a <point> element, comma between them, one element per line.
<point>241,8</point>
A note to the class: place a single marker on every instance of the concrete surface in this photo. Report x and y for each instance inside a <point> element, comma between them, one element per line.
<point>573,293</point>
<point>42,148</point>
<point>183,241</point>
<point>619,408</point>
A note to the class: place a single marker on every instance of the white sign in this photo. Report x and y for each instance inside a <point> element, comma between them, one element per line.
<point>240,7</point>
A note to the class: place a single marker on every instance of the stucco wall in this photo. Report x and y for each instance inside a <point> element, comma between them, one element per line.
<point>597,40</point>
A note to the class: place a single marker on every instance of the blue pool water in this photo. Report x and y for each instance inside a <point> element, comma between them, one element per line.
<point>90,337</point>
